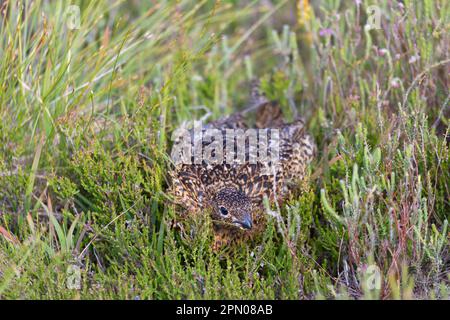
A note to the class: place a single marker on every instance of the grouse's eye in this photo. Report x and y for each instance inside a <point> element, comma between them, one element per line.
<point>223,211</point>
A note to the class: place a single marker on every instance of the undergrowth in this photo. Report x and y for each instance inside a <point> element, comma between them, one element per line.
<point>87,115</point>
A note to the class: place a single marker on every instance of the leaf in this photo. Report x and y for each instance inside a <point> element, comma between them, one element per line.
<point>8,236</point>
<point>32,176</point>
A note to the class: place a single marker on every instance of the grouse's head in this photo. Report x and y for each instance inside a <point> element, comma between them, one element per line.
<point>233,207</point>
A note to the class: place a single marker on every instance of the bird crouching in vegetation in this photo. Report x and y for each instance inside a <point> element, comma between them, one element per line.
<point>231,191</point>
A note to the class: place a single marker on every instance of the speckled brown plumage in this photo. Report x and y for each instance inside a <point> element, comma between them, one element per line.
<point>233,193</point>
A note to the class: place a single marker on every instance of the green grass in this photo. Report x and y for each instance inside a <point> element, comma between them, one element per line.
<point>87,115</point>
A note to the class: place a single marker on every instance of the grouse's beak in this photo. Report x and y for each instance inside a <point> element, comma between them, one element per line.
<point>246,222</point>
